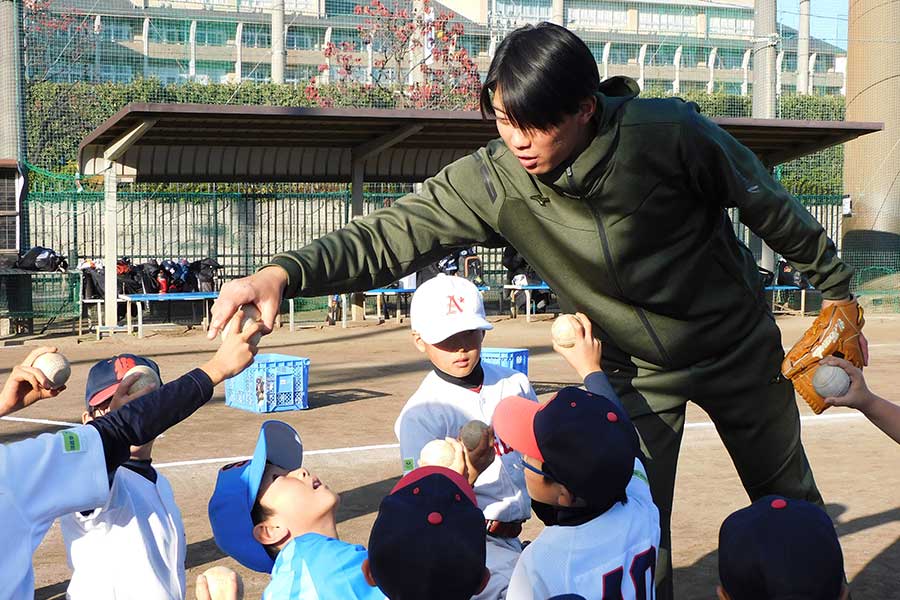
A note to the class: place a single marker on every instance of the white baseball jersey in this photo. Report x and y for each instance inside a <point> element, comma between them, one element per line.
<point>133,546</point>
<point>439,409</point>
<point>41,479</point>
<point>610,556</point>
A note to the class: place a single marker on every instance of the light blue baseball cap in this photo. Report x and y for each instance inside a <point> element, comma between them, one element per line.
<point>235,494</point>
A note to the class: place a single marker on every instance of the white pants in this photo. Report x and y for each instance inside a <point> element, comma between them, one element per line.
<point>502,555</point>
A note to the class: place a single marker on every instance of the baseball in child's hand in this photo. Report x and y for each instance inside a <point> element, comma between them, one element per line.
<point>147,380</point>
<point>566,329</point>
<point>222,584</point>
<point>437,453</point>
<point>478,439</point>
<point>251,315</point>
<point>830,381</point>
<point>55,366</point>
<point>471,433</point>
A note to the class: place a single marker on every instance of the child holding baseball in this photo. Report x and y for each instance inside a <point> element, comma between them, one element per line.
<point>48,476</point>
<point>588,484</point>
<point>883,413</point>
<point>134,544</point>
<point>273,516</point>
<point>448,325</point>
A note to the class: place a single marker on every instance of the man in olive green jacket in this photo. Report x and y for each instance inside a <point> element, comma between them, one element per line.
<point>619,204</point>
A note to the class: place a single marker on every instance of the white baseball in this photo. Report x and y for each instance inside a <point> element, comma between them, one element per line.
<point>251,315</point>
<point>830,381</point>
<point>436,453</point>
<point>219,580</point>
<point>565,330</point>
<point>55,366</point>
<point>147,381</point>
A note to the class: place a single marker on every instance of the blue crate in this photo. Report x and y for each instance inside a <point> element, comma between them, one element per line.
<point>273,383</point>
<point>511,358</point>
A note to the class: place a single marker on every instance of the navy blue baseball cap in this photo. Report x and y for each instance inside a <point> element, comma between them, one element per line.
<point>585,441</point>
<point>428,540</point>
<point>780,549</point>
<point>105,376</point>
<point>235,494</point>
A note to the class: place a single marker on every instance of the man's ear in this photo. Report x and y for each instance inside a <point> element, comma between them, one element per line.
<point>485,578</point>
<point>721,593</point>
<point>367,573</point>
<point>418,342</point>
<point>587,108</point>
<point>86,418</point>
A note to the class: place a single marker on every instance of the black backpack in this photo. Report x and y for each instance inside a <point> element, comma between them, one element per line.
<point>42,259</point>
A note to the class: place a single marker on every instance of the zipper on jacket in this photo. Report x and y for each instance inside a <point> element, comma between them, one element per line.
<point>607,253</point>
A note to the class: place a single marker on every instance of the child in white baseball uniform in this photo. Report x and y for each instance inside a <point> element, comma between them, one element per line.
<point>588,485</point>
<point>448,325</point>
<point>138,529</point>
<point>53,474</point>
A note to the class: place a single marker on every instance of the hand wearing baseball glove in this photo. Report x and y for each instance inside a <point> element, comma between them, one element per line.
<point>837,331</point>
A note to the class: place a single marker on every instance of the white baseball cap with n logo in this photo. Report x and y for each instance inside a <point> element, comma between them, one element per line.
<point>446,305</point>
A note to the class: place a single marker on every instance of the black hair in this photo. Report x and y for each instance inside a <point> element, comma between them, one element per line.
<point>543,72</point>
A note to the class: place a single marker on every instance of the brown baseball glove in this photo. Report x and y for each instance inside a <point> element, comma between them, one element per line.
<point>836,331</point>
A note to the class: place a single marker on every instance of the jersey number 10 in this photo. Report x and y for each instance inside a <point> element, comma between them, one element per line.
<point>640,565</point>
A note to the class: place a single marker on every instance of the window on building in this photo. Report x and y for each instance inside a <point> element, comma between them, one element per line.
<point>731,24</point>
<point>166,74</point>
<point>661,55</point>
<point>729,58</point>
<point>115,30</point>
<point>824,63</point>
<point>589,14</point>
<point>340,7</point>
<point>622,54</point>
<point>256,35</point>
<point>115,73</point>
<point>654,18</point>
<point>512,13</point>
<point>260,73</point>
<point>299,39</point>
<point>164,31</point>
<point>789,62</point>
<point>212,33</point>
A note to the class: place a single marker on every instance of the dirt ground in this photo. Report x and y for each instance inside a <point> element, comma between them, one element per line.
<point>359,379</point>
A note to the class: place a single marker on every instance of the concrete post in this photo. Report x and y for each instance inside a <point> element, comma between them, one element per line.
<point>557,13</point>
<point>872,162</point>
<point>145,46</point>
<point>110,239</point>
<point>764,76</point>
<point>278,52</point>
<point>238,52</point>
<point>192,49</point>
<point>676,62</point>
<point>803,49</point>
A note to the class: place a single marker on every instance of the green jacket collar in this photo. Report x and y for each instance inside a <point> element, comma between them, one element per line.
<point>576,176</point>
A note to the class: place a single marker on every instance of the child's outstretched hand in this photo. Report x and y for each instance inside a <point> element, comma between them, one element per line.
<point>26,384</point>
<point>236,352</point>
<point>586,354</point>
<point>858,396</point>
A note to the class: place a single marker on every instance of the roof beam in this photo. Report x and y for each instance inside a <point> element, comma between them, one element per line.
<point>383,142</point>
<point>121,145</point>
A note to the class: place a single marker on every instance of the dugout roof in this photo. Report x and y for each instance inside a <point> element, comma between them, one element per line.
<point>224,143</point>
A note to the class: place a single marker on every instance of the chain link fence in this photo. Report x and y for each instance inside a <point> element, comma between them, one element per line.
<point>80,61</point>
